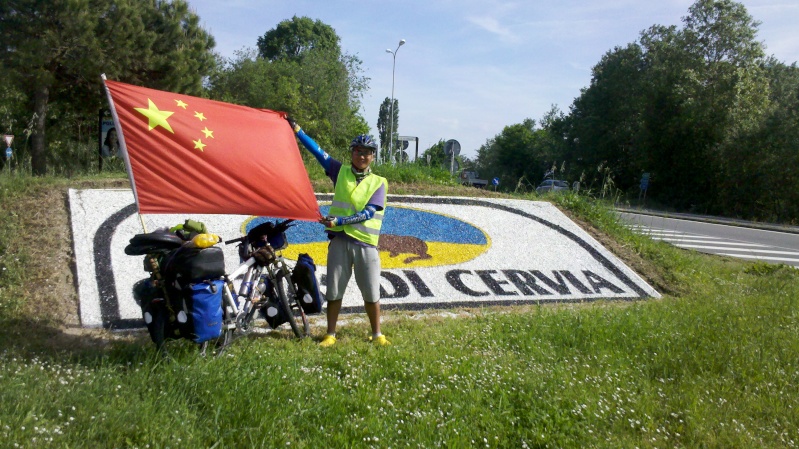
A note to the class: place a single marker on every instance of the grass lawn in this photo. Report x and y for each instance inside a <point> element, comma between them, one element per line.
<point>713,364</point>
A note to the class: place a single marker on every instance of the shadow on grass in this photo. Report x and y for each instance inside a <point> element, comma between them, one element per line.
<point>29,338</point>
<point>25,334</point>
<point>26,337</point>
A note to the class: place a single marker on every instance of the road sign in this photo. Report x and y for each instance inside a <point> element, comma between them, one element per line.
<point>9,138</point>
<point>451,147</point>
<point>644,181</point>
<point>406,140</point>
<point>8,153</point>
<point>495,181</point>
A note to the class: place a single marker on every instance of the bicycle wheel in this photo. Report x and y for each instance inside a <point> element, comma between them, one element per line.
<point>221,343</point>
<point>224,339</point>
<point>288,301</point>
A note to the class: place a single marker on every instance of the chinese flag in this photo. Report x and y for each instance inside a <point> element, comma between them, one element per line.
<point>192,155</point>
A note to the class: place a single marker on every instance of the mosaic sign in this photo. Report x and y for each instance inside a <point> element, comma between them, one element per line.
<point>435,253</point>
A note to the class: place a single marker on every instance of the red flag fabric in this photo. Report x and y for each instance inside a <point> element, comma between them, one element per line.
<point>192,155</point>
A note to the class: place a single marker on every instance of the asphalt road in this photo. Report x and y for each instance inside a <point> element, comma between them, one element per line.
<point>733,238</point>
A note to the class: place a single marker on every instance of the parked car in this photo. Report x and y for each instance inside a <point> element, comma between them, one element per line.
<point>471,178</point>
<point>552,185</point>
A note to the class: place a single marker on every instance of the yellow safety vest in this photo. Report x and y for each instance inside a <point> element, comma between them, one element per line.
<point>350,198</point>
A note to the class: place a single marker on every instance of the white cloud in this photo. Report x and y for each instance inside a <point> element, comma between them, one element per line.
<point>493,26</point>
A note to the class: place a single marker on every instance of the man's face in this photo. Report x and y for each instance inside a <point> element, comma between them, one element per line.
<point>362,157</point>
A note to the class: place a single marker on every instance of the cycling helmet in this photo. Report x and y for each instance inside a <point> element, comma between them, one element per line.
<point>363,141</point>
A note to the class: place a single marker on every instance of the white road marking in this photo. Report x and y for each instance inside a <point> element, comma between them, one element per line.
<point>720,246</point>
<point>776,259</point>
<point>733,249</point>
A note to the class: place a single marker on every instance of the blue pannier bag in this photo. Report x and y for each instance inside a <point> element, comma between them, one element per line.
<point>304,277</point>
<point>202,310</point>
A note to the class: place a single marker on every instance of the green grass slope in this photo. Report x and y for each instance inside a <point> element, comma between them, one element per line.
<point>713,364</point>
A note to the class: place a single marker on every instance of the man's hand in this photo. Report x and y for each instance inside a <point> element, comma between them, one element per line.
<point>328,221</point>
<point>264,255</point>
<point>294,126</point>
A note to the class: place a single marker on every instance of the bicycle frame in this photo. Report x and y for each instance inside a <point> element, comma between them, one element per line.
<point>262,267</point>
<point>239,315</point>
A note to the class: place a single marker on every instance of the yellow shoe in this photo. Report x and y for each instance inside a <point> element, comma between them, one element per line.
<point>328,341</point>
<point>380,341</point>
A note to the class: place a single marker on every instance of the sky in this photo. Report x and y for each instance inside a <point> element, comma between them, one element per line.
<point>471,67</point>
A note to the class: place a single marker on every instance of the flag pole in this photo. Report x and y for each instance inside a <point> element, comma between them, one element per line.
<point>124,149</point>
<point>143,226</point>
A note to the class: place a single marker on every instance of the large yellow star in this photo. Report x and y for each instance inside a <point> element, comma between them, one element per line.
<point>199,145</point>
<point>156,117</point>
<point>208,133</point>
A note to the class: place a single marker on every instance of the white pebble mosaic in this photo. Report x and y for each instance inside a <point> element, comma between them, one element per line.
<point>441,252</point>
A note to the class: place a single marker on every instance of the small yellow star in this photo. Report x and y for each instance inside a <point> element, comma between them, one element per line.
<point>181,104</point>
<point>208,133</point>
<point>155,117</point>
<point>199,145</point>
<point>199,115</point>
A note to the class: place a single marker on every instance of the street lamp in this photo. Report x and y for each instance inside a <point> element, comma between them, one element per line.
<point>391,133</point>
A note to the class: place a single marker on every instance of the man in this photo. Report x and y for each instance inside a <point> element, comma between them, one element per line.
<point>353,228</point>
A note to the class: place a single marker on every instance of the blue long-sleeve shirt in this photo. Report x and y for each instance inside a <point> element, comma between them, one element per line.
<point>332,168</point>
<point>325,160</point>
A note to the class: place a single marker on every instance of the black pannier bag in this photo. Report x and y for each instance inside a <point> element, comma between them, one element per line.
<point>151,242</point>
<point>273,314</point>
<point>158,312</point>
<point>155,246</point>
<point>189,264</point>
<point>195,313</point>
<point>304,277</point>
<point>183,296</point>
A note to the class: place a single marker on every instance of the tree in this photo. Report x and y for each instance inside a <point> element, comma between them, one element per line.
<point>730,88</point>
<point>318,85</point>
<point>676,103</point>
<point>606,117</point>
<point>706,90</point>
<point>515,155</point>
<point>384,126</point>
<point>252,81</point>
<point>295,38</point>
<point>434,155</point>
<point>58,49</point>
<point>765,177</point>
<point>46,42</point>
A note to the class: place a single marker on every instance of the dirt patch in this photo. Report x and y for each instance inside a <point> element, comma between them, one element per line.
<point>646,269</point>
<point>50,313</point>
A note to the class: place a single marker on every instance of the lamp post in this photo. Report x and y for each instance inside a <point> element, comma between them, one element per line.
<point>391,132</point>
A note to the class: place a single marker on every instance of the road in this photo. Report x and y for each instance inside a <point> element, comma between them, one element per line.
<point>731,239</point>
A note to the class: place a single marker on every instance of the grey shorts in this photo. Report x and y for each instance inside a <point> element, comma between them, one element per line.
<point>343,257</point>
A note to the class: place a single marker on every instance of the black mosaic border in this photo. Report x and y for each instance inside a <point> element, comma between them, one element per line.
<point>109,302</point>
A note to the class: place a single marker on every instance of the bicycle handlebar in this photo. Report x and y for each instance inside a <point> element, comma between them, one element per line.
<point>240,239</point>
<point>267,228</point>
